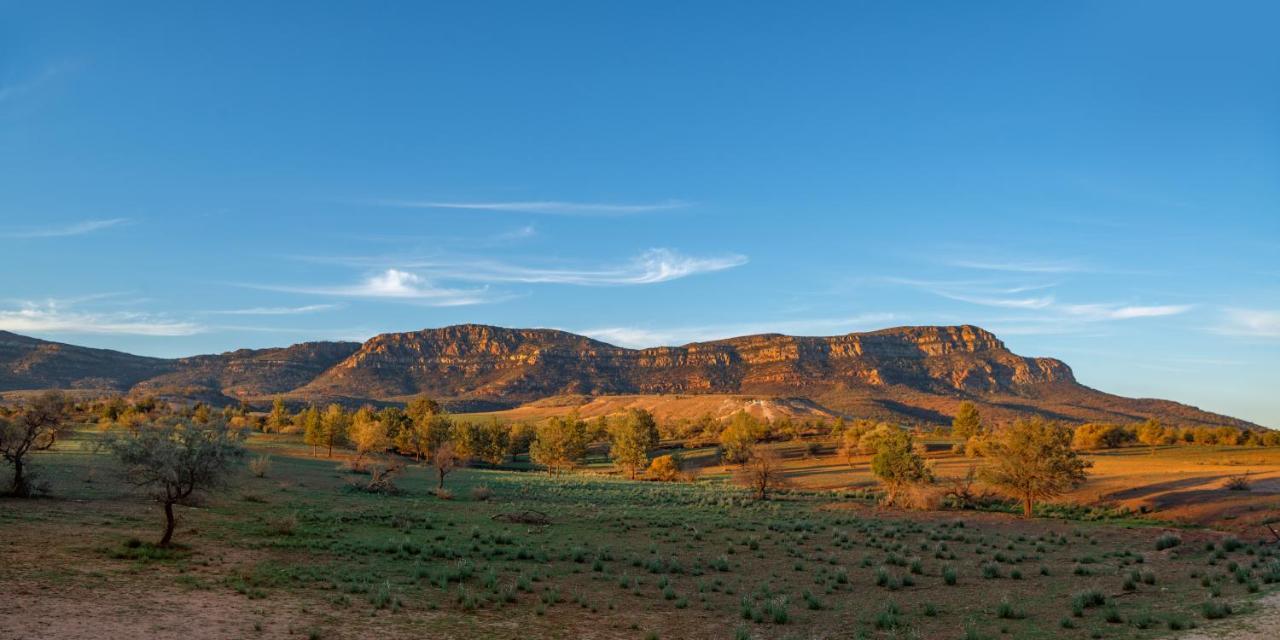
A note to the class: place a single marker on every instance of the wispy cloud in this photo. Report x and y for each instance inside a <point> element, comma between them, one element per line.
<point>1256,323</point>
<point>1009,303</point>
<point>71,229</point>
<point>1046,314</point>
<point>276,311</point>
<point>48,318</point>
<point>396,284</point>
<point>1020,266</point>
<point>550,207</point>
<point>641,337</point>
<point>649,267</point>
<point>1124,312</point>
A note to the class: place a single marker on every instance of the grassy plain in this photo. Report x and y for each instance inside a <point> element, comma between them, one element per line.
<point>296,554</point>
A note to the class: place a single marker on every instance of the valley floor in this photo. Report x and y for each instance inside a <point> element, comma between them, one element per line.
<point>297,554</point>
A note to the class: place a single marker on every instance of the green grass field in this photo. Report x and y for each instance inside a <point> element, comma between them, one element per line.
<point>299,554</point>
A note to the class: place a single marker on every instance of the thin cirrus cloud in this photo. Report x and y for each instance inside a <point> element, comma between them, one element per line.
<point>1124,312</point>
<point>395,284</point>
<point>549,207</point>
<point>276,311</point>
<point>1005,297</point>
<point>1021,266</point>
<point>50,318</point>
<point>643,337</point>
<point>1256,323</point>
<point>649,267</point>
<point>71,229</point>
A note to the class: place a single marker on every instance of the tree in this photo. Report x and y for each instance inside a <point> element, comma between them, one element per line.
<point>737,439</point>
<point>446,459</point>
<point>1094,435</point>
<point>559,443</point>
<point>1153,434</point>
<point>430,428</point>
<point>631,436</point>
<point>396,420</point>
<point>176,461</point>
<point>870,441</point>
<point>312,428</point>
<point>35,427</point>
<point>367,433</point>
<point>421,407</point>
<point>967,422</point>
<point>762,472</point>
<point>1033,460</point>
<point>489,441</point>
<point>897,464</point>
<point>278,419</point>
<point>333,427</point>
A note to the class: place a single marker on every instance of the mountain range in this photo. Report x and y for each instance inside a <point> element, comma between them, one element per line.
<point>917,374</point>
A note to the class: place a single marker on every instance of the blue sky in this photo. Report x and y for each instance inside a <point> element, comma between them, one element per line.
<point>1095,181</point>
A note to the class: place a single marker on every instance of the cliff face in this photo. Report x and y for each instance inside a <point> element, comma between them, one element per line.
<point>475,361</point>
<point>911,373</point>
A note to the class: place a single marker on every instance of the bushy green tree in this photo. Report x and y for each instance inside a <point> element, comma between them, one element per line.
<point>1033,460</point>
<point>312,428</point>
<point>278,419</point>
<point>967,422</point>
<point>176,460</point>
<point>737,439</point>
<point>631,436</point>
<point>898,464</point>
<point>559,443</point>
<point>488,441</point>
<point>333,427</point>
<point>367,433</point>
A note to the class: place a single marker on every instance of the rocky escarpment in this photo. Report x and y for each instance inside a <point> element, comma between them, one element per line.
<point>476,361</point>
<point>909,373</point>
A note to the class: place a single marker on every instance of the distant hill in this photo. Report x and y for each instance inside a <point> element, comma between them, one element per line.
<point>917,374</point>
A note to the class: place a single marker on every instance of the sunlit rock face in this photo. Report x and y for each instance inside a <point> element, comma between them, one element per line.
<point>522,364</point>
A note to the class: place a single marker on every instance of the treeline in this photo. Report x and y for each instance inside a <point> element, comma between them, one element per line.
<point>1096,435</point>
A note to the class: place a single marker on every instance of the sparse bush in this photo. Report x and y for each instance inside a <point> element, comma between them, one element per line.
<point>260,465</point>
<point>1238,483</point>
<point>481,493</point>
<point>1167,541</point>
<point>444,494</point>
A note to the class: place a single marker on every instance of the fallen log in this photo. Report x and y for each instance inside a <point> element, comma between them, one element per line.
<point>524,517</point>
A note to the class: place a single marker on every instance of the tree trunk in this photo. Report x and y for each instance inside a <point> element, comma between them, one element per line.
<point>168,524</point>
<point>19,487</point>
<point>330,449</point>
<point>1026,507</point>
<point>441,473</point>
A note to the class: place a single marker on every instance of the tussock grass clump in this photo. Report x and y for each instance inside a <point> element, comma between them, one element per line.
<point>1167,541</point>
<point>1214,610</point>
<point>1006,611</point>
